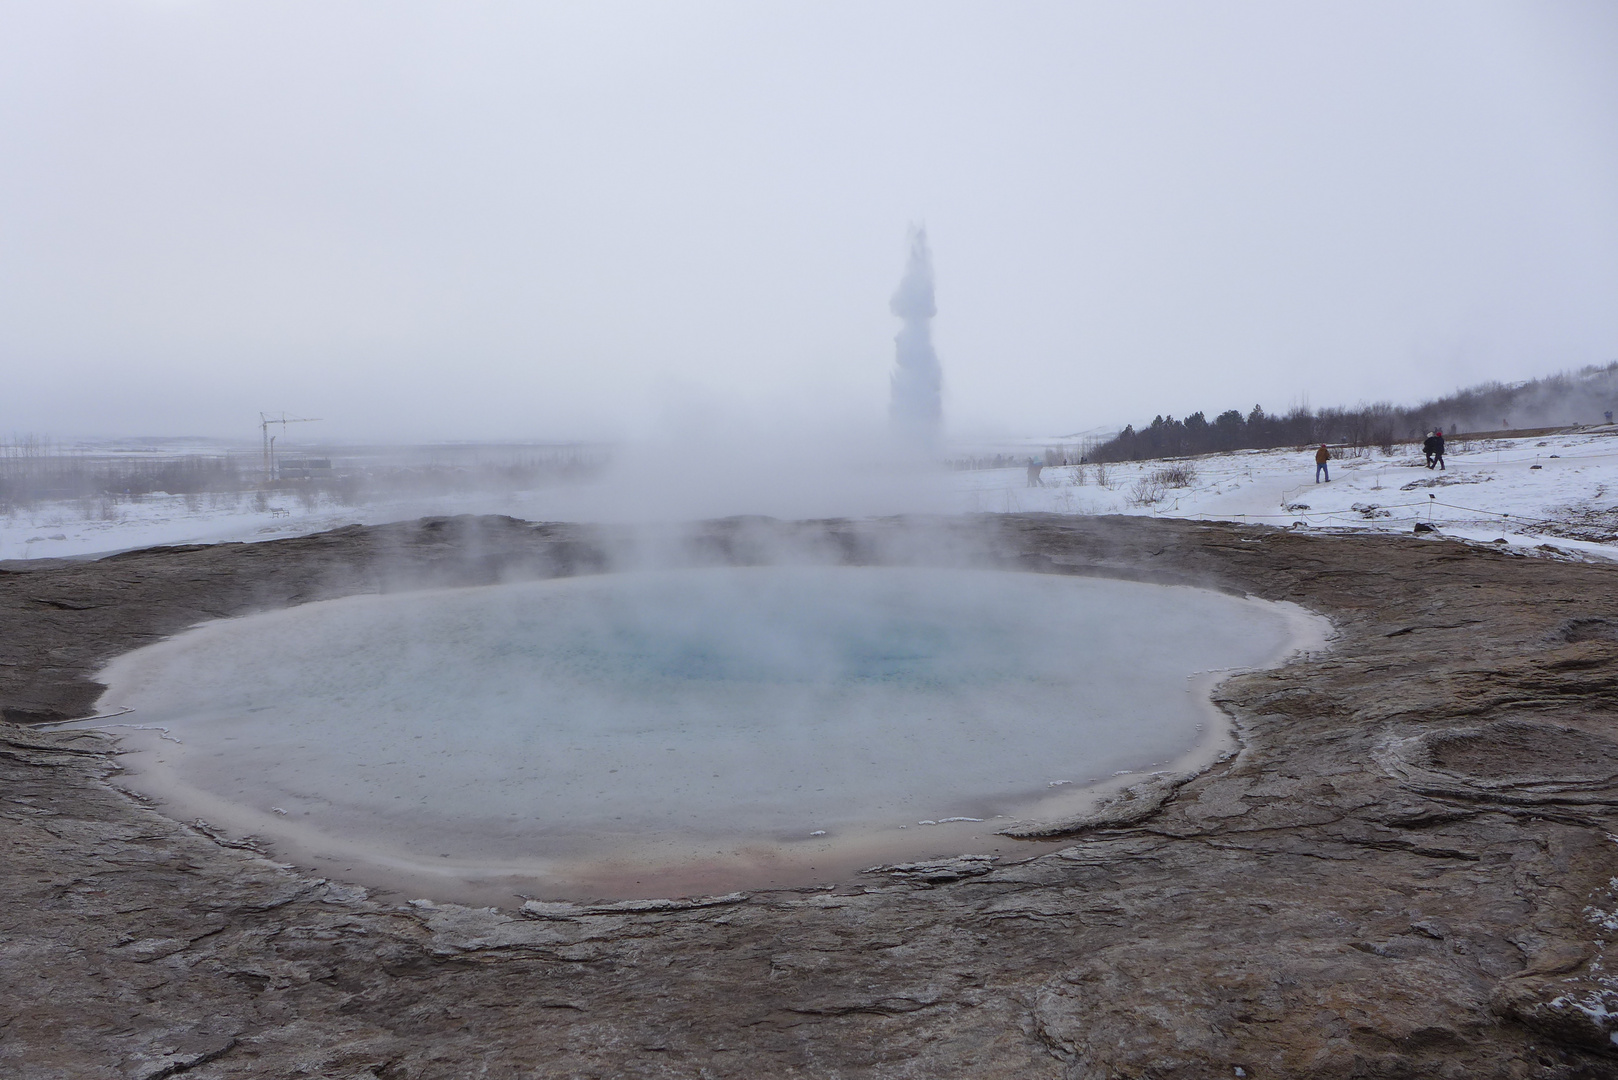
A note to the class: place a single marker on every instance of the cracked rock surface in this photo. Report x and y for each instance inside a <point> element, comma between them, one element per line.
<point>1409,869</point>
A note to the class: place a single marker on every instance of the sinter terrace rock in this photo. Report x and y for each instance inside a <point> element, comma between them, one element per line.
<point>1409,869</point>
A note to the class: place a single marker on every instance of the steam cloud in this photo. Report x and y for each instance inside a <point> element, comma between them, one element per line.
<point>915,406</point>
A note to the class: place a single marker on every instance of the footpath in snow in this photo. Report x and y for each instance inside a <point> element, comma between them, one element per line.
<point>1559,490</point>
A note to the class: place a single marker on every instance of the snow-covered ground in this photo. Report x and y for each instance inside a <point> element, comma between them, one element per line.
<point>1560,490</point>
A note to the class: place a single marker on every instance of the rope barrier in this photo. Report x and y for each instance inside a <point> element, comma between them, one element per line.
<point>1355,514</point>
<point>1158,510</point>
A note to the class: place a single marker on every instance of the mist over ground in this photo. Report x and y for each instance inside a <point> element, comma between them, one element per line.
<point>434,222</point>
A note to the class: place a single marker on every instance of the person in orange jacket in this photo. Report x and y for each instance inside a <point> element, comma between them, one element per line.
<point>1321,457</point>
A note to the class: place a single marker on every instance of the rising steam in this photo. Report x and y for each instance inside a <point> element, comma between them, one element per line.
<point>915,406</point>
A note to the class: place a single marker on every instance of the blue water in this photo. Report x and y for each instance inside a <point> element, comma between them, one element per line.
<point>715,702</point>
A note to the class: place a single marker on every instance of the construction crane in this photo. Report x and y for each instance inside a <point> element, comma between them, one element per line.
<point>264,422</point>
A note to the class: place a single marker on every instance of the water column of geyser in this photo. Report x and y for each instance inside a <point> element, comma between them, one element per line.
<point>915,405</point>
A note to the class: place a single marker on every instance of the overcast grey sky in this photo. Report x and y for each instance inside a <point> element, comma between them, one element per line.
<point>460,219</point>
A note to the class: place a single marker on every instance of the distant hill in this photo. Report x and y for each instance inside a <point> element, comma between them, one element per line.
<point>1581,397</point>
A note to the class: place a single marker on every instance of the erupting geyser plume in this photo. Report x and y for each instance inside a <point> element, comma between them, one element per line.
<point>915,406</point>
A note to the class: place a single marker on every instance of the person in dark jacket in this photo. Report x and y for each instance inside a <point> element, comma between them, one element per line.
<point>1434,449</point>
<point>1321,457</point>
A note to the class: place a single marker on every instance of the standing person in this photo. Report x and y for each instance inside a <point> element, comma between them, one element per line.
<point>1429,448</point>
<point>1033,473</point>
<point>1321,457</point>
<point>1438,449</point>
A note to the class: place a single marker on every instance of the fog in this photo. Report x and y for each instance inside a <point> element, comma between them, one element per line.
<point>433,220</point>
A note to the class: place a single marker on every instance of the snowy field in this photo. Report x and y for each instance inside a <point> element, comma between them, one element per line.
<point>1559,490</point>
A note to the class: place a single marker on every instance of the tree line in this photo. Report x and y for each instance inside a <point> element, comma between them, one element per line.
<point>1587,396</point>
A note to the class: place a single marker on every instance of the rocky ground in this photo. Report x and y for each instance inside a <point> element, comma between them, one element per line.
<point>1410,869</point>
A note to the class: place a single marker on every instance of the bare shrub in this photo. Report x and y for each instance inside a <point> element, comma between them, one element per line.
<point>1174,476</point>
<point>349,491</point>
<point>1102,477</point>
<point>1147,491</point>
<point>1080,475</point>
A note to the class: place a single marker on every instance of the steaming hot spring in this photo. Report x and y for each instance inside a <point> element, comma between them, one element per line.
<point>653,733</point>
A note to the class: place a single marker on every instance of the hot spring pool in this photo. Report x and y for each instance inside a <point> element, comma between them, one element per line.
<point>556,730</point>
